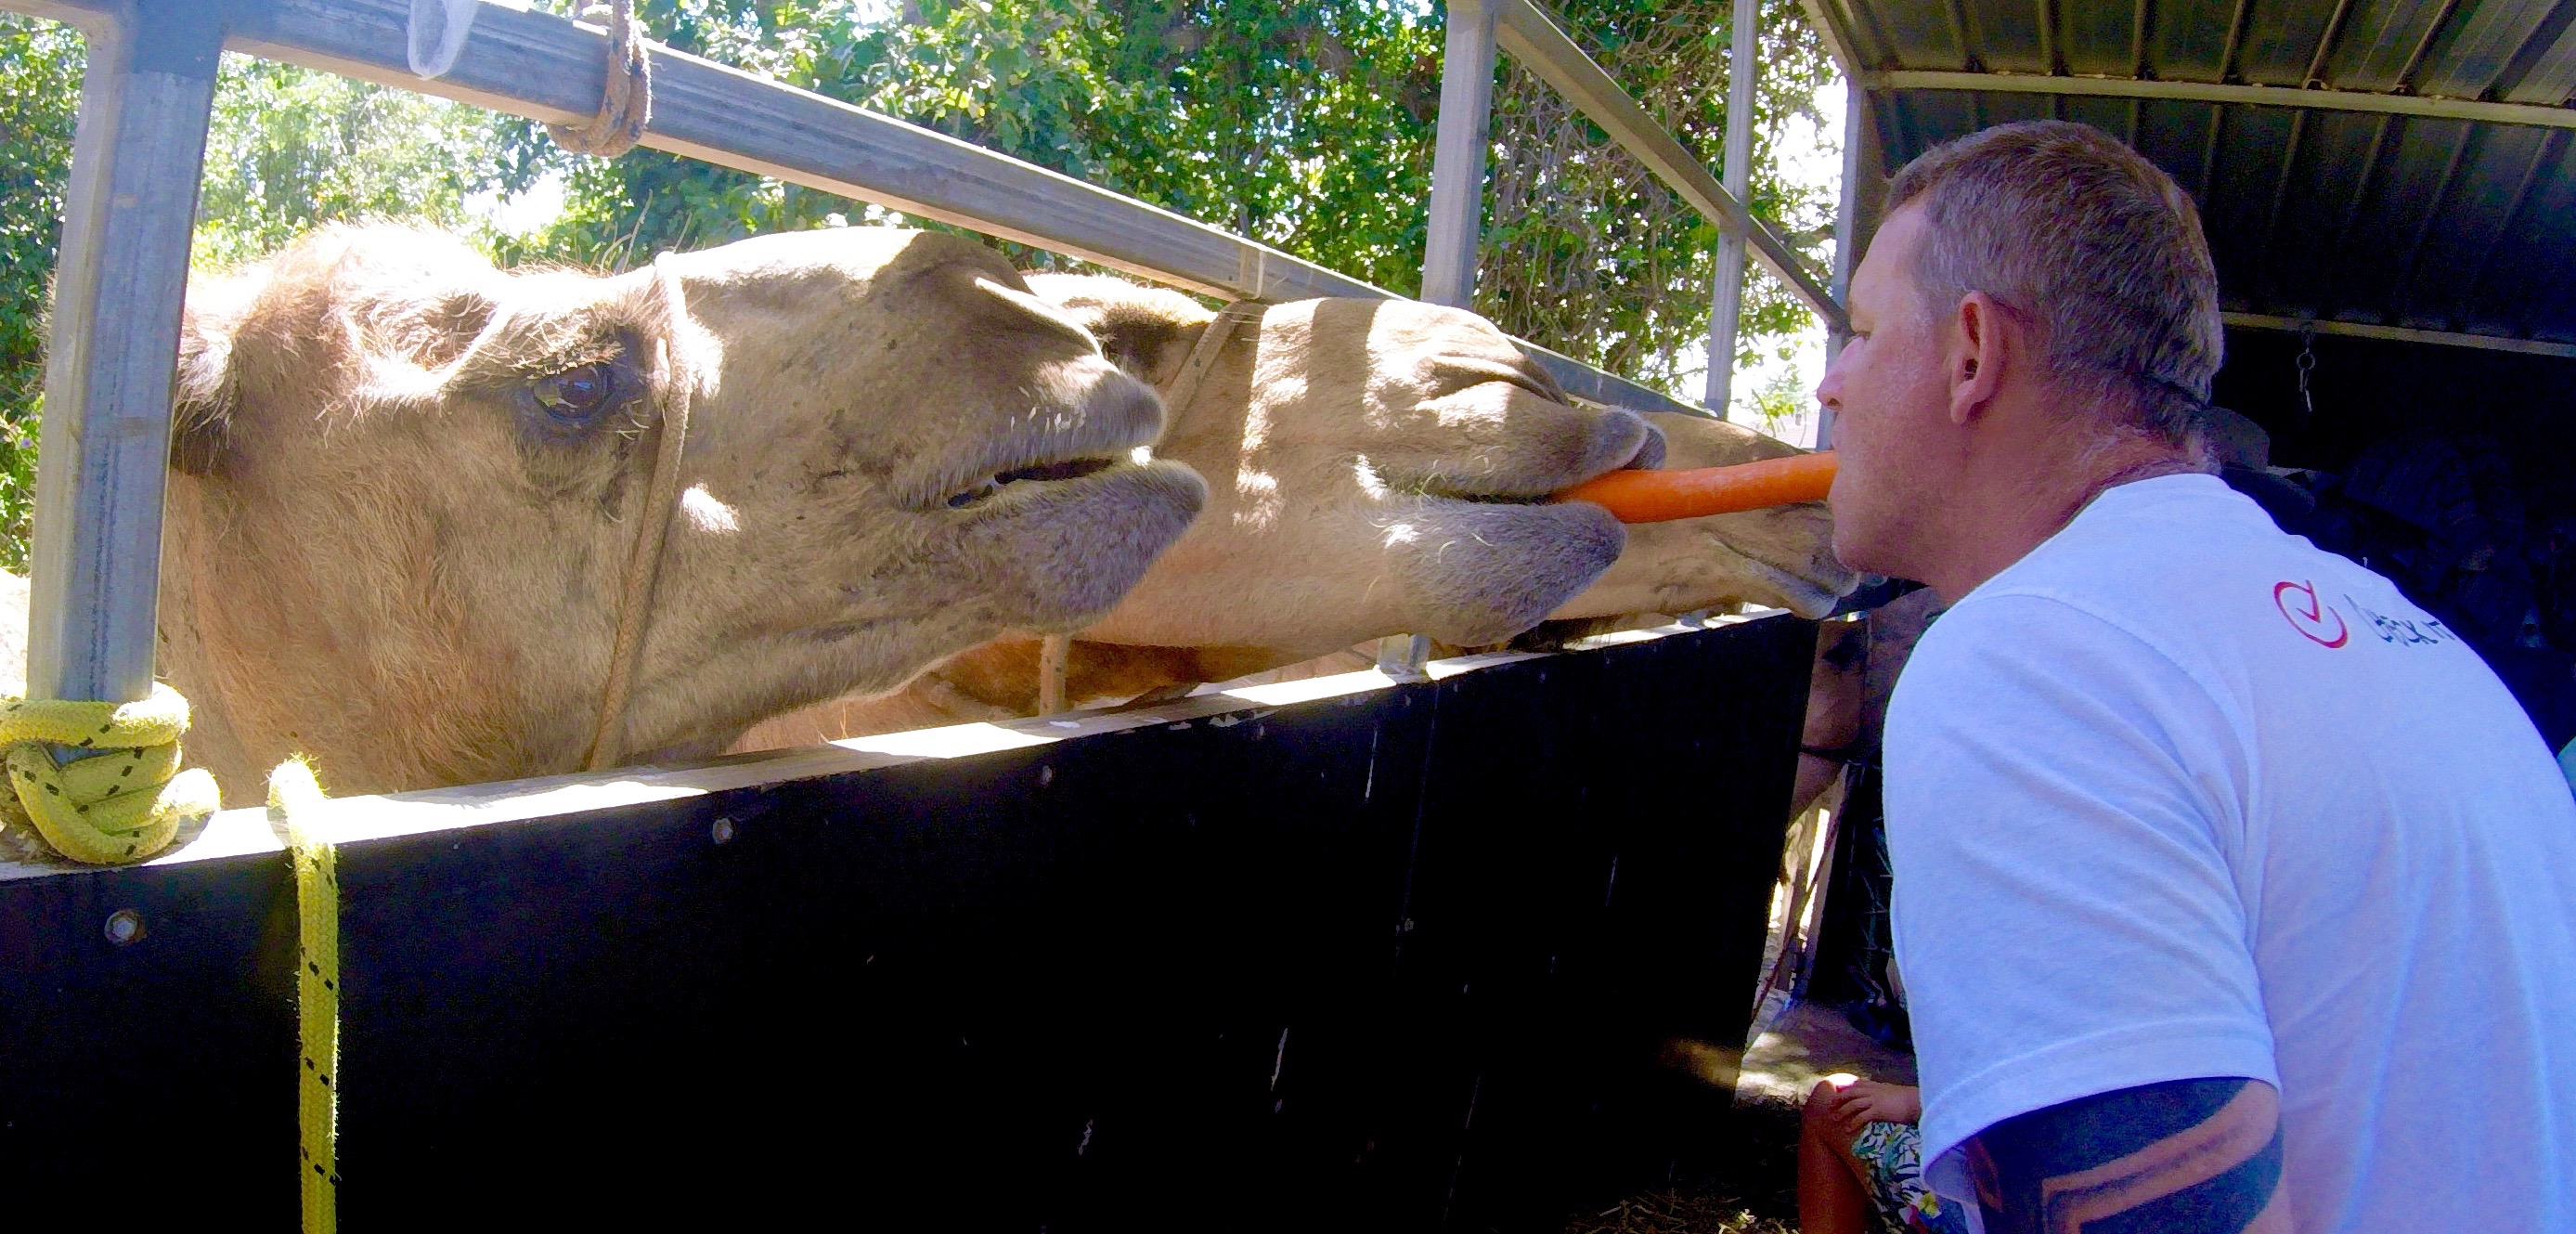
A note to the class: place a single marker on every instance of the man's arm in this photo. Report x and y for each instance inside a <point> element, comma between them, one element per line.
<point>2184,1157</point>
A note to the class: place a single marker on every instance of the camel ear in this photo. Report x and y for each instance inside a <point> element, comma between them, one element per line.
<point>1147,331</point>
<point>1151,347</point>
<point>205,394</point>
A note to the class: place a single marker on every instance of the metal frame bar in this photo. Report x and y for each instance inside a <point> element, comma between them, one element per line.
<point>1838,42</point>
<point>1726,297</point>
<point>2210,92</point>
<point>2401,334</point>
<point>1856,122</point>
<point>1458,156</point>
<point>1534,39</point>
<point>120,284</point>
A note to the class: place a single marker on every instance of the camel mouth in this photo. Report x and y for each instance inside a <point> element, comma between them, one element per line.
<point>1058,472</point>
<point>1100,424</point>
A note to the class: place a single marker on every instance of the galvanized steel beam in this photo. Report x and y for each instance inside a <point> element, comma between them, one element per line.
<point>2210,92</point>
<point>2401,334</point>
<point>1726,298</point>
<point>1458,158</point>
<point>119,285</point>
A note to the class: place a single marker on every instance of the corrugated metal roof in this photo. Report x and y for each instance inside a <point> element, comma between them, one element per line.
<point>2428,222</point>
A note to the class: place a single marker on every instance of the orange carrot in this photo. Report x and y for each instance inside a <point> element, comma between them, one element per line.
<point>1657,496</point>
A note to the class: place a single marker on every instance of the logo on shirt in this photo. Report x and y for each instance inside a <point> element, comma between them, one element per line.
<point>2404,631</point>
<point>2314,619</point>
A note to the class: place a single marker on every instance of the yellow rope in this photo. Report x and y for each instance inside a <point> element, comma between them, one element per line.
<point>109,808</point>
<point>293,798</point>
<point>127,804</point>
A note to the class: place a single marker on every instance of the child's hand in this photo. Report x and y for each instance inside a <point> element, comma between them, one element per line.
<point>1862,1102</point>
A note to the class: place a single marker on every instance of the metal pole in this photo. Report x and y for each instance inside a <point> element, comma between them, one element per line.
<point>1457,215</point>
<point>118,288</point>
<point>1855,118</point>
<point>1726,304</point>
<point>1458,161</point>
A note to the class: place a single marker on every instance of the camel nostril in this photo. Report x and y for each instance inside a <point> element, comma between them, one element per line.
<point>1651,454</point>
<point>1622,438</point>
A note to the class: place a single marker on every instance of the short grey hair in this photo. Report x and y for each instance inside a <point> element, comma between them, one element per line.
<point>2096,246</point>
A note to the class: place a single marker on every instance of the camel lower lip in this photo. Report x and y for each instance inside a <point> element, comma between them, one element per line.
<point>1487,499</point>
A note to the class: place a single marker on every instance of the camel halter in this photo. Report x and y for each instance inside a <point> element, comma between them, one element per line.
<point>661,499</point>
<point>1055,651</point>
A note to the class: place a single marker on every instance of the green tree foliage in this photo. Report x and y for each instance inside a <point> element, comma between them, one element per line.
<point>290,148</point>
<point>1304,124</point>
<point>40,75</point>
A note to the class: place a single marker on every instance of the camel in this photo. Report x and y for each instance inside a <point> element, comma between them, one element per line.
<point>407,490</point>
<point>1330,431</point>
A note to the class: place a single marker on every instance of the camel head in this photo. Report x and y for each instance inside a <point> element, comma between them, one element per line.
<point>1374,466</point>
<point>1384,466</point>
<point>407,487</point>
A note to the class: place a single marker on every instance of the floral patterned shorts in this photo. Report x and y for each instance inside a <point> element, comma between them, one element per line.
<point>1891,1155</point>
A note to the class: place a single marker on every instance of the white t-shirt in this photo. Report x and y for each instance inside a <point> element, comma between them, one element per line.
<point>2180,796</point>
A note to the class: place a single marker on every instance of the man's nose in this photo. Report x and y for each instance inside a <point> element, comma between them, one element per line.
<point>1829,392</point>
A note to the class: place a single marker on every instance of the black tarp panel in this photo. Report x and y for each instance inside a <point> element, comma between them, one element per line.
<point>1414,958</point>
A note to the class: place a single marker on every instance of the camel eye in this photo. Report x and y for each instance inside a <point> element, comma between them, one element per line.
<point>576,394</point>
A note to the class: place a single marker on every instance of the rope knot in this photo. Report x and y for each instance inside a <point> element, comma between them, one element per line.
<point>110,808</point>
<point>626,105</point>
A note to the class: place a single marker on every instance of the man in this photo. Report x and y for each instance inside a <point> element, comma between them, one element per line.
<point>2232,891</point>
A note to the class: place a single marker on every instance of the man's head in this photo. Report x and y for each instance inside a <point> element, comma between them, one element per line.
<point>2037,314</point>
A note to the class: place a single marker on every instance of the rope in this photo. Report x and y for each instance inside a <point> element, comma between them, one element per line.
<point>294,798</point>
<point>1055,651</point>
<point>644,563</point>
<point>626,105</point>
<point>1055,663</point>
<point>1212,341</point>
<point>108,808</point>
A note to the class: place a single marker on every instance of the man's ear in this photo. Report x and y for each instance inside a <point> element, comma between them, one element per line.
<point>1983,340</point>
<point>205,393</point>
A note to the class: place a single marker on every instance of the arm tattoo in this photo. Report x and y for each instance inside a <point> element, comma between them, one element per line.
<point>2186,1156</point>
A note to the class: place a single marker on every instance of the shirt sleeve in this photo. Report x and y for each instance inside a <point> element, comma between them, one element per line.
<point>2062,802</point>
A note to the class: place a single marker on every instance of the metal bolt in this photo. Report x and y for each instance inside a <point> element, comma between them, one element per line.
<point>124,926</point>
<point>722,831</point>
